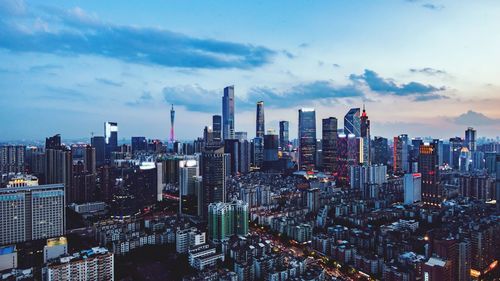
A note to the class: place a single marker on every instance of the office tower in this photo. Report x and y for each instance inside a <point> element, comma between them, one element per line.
<point>59,169</point>
<point>55,248</point>
<point>456,144</point>
<point>260,123</point>
<point>214,172</point>
<point>439,146</point>
<point>429,168</point>
<point>490,162</point>
<point>227,219</point>
<point>352,122</point>
<point>329,143</point>
<point>89,159</point>
<point>139,144</point>
<point>365,135</point>
<point>271,149</point>
<point>91,264</point>
<point>172,120</point>
<point>470,139</point>
<point>284,135</point>
<point>412,185</point>
<point>342,169</point>
<point>31,213</point>
<point>368,179</point>
<point>99,143</point>
<point>354,150</point>
<point>208,137</point>
<point>313,200</point>
<point>241,136</point>
<point>232,147</point>
<point>12,159</point>
<point>414,150</point>
<point>53,142</point>
<point>217,128</point>
<point>258,152</point>
<point>497,193</point>
<point>187,172</point>
<point>380,151</point>
<point>464,160</point>
<point>111,138</point>
<point>307,139</point>
<point>228,113</point>
<point>400,163</point>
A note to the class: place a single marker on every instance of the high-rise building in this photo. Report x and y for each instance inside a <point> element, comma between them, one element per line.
<point>313,200</point>
<point>456,144</point>
<point>470,139</point>
<point>53,142</point>
<point>139,144</point>
<point>260,123</point>
<point>365,135</point>
<point>307,139</point>
<point>342,169</point>
<point>187,172</point>
<point>55,248</point>
<point>99,143</point>
<point>271,149</point>
<point>214,171</point>
<point>329,143</point>
<point>497,193</point>
<point>172,122</point>
<point>400,162</point>
<point>59,169</point>
<point>284,135</point>
<point>217,128</point>
<point>12,159</point>
<point>228,113</point>
<point>110,138</point>
<point>380,151</point>
<point>352,122</point>
<point>226,219</point>
<point>258,152</point>
<point>429,168</point>
<point>412,184</point>
<point>31,213</point>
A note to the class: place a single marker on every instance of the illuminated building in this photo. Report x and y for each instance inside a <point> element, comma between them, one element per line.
<point>365,135</point>
<point>400,163</point>
<point>342,172</point>
<point>284,135</point>
<point>429,168</point>
<point>55,248</point>
<point>228,113</point>
<point>456,144</point>
<point>22,180</point>
<point>307,139</point>
<point>329,143</point>
<point>172,121</point>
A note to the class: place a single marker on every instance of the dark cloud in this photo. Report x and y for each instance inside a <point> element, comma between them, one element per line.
<point>109,82</point>
<point>431,6</point>
<point>145,98</point>
<point>382,85</point>
<point>75,32</point>
<point>288,54</point>
<point>472,118</point>
<point>428,71</point>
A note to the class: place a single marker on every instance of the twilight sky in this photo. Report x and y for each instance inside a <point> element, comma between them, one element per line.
<point>422,67</point>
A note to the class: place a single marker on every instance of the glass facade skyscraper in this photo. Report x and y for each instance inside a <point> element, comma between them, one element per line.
<point>284,135</point>
<point>228,113</point>
<point>470,139</point>
<point>217,128</point>
<point>329,142</point>
<point>111,138</point>
<point>352,122</point>
<point>307,139</point>
<point>260,123</point>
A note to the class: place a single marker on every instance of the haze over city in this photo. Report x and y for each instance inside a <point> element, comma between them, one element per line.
<point>426,68</point>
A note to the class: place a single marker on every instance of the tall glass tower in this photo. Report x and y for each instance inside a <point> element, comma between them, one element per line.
<point>352,122</point>
<point>228,113</point>
<point>284,135</point>
<point>329,142</point>
<point>260,124</point>
<point>307,139</point>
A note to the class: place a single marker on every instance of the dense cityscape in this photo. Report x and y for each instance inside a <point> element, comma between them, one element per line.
<point>332,204</point>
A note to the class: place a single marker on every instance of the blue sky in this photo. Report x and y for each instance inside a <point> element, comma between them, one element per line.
<point>422,67</point>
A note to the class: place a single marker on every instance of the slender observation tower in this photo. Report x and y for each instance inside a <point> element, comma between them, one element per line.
<point>172,119</point>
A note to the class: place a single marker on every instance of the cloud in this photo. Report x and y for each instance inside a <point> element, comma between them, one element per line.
<point>432,6</point>
<point>472,118</point>
<point>12,7</point>
<point>109,82</point>
<point>388,86</point>
<point>44,67</point>
<point>63,94</point>
<point>145,98</point>
<point>194,98</point>
<point>304,45</point>
<point>75,32</point>
<point>428,71</point>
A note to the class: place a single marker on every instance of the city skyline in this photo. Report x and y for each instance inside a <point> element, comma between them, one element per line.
<point>440,88</point>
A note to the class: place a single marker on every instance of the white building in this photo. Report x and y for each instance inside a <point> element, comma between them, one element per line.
<point>412,185</point>
<point>188,238</point>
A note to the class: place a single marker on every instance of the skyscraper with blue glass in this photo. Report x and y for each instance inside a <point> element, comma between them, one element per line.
<point>307,139</point>
<point>228,113</point>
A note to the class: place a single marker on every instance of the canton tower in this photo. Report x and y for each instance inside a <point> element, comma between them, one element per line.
<point>172,117</point>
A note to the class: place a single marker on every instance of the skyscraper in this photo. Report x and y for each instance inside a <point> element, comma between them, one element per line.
<point>99,143</point>
<point>111,138</point>
<point>307,139</point>
<point>228,113</point>
<point>470,139</point>
<point>352,122</point>
<point>456,144</point>
<point>59,169</point>
<point>284,135</point>
<point>139,144</point>
<point>217,128</point>
<point>214,172</point>
<point>380,151</point>
<point>226,219</point>
<point>271,144</point>
<point>172,120</point>
<point>53,142</point>
<point>31,213</point>
<point>365,134</point>
<point>429,169</point>
<point>329,142</point>
<point>260,123</point>
<point>257,152</point>
<point>400,163</point>
<point>12,159</point>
